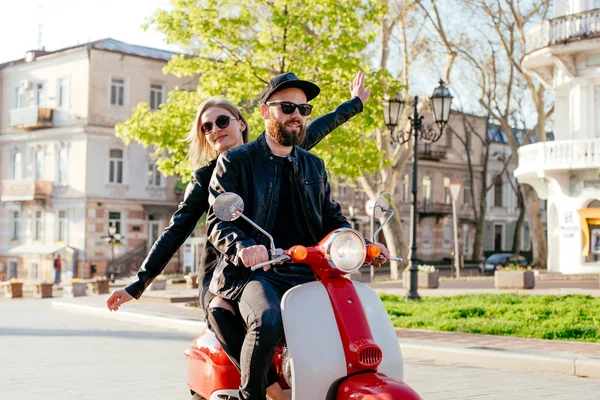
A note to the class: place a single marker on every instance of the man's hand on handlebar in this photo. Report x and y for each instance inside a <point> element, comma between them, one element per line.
<point>253,255</point>
<point>385,255</point>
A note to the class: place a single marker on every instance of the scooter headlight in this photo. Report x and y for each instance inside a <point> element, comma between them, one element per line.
<point>346,250</point>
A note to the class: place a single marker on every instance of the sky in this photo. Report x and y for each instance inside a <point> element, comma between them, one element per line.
<point>69,22</point>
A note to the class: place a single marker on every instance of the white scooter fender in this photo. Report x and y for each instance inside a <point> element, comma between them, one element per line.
<point>316,355</point>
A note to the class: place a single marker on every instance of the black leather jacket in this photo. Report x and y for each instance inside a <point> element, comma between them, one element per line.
<point>253,172</point>
<point>195,204</point>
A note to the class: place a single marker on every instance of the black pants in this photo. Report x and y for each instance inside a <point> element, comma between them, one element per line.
<point>251,336</point>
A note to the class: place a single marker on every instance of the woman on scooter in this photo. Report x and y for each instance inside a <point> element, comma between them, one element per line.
<point>219,126</point>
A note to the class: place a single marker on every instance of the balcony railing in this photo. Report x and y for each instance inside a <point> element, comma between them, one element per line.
<point>429,207</point>
<point>559,155</point>
<point>432,153</point>
<point>25,189</point>
<point>563,29</point>
<point>29,118</point>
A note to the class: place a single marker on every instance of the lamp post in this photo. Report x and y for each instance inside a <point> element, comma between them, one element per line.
<point>112,238</point>
<point>454,192</point>
<point>440,101</point>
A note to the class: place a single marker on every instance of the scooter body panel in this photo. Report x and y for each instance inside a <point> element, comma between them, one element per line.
<point>383,332</point>
<point>316,355</point>
<point>374,386</point>
<point>209,369</point>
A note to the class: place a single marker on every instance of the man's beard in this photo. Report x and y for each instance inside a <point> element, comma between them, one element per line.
<point>285,136</point>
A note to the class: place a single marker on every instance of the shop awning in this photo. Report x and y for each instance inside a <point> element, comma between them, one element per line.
<point>36,249</point>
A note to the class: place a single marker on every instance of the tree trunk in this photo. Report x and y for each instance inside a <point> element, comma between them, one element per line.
<point>536,227</point>
<point>479,227</point>
<point>395,240</point>
<point>516,247</point>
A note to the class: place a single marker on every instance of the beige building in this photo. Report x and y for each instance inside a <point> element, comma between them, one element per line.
<point>66,178</point>
<point>441,163</point>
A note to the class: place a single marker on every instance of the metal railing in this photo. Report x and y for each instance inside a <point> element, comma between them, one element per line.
<point>563,29</point>
<point>559,155</point>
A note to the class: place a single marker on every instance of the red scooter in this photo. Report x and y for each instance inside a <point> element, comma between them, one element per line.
<point>339,341</point>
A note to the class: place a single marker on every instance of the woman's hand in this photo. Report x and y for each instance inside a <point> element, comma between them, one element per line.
<point>117,298</point>
<point>357,88</point>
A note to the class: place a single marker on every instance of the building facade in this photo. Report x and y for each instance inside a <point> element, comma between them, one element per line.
<point>66,177</point>
<point>440,164</point>
<point>564,54</point>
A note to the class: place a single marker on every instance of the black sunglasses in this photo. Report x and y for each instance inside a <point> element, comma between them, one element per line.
<point>287,107</point>
<point>222,122</point>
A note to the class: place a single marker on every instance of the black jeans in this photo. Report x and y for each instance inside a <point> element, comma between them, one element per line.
<point>259,306</point>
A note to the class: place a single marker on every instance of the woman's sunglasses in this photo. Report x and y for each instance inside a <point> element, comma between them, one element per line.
<point>287,107</point>
<point>221,122</point>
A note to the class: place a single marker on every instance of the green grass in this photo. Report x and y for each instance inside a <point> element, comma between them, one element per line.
<point>573,317</point>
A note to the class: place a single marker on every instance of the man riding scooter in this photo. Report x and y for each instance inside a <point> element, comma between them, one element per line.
<point>279,182</point>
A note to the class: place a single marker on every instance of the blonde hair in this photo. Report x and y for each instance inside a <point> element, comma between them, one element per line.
<point>200,152</point>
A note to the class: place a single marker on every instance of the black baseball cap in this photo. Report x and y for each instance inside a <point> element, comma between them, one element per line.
<point>289,80</point>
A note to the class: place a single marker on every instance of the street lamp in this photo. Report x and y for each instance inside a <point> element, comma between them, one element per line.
<point>454,192</point>
<point>441,100</point>
<point>112,238</point>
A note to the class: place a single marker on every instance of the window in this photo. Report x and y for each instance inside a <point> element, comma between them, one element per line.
<point>448,236</point>
<point>37,226</point>
<point>498,191</point>
<point>62,166</point>
<point>154,175</point>
<point>63,92</point>
<point>34,268</point>
<point>117,91</point>
<point>427,236</point>
<point>156,95</point>
<point>115,173</point>
<point>447,197</point>
<point>498,238</point>
<point>427,189</point>
<point>62,226</point>
<point>15,225</point>
<point>17,165</point>
<point>40,98</point>
<point>467,194</point>
<point>19,97</point>
<point>39,163</point>
<point>114,219</point>
<point>466,238</point>
<point>405,188</point>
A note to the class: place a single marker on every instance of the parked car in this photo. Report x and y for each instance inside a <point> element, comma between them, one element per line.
<point>499,260</point>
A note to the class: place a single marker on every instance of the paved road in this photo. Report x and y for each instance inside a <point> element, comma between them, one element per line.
<point>58,355</point>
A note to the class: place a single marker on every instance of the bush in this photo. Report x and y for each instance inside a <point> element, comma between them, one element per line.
<point>573,317</point>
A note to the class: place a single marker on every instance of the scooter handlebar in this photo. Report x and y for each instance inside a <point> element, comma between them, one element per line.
<point>276,260</point>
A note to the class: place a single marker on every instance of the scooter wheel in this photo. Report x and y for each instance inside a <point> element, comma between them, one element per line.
<point>196,396</point>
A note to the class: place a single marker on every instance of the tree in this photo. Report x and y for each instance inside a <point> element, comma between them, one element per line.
<point>237,46</point>
<point>509,20</point>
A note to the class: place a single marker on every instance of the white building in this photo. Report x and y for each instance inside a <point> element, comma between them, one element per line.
<point>564,53</point>
<point>65,176</point>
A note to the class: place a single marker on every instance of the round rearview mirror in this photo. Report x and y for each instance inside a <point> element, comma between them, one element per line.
<point>382,206</point>
<point>228,206</point>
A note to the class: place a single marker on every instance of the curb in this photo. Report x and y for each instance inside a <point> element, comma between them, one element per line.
<point>188,326</point>
<point>503,359</point>
<point>411,349</point>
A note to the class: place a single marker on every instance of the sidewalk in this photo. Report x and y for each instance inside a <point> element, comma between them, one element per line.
<point>497,352</point>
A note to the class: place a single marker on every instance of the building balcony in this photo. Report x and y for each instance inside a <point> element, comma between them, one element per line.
<point>427,152</point>
<point>537,161</point>
<point>431,209</point>
<point>26,190</point>
<point>29,118</point>
<point>564,29</point>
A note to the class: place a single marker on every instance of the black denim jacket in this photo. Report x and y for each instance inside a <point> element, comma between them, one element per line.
<point>195,204</point>
<point>253,172</point>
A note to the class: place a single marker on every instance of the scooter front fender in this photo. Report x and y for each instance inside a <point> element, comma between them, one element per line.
<point>374,386</point>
